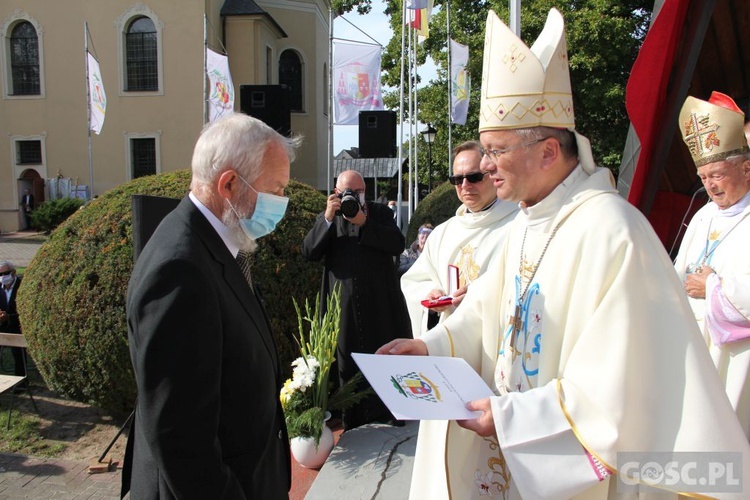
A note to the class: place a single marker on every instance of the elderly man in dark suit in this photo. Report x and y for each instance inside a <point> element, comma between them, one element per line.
<point>9,323</point>
<point>208,422</point>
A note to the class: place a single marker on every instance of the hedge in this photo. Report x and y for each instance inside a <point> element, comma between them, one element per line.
<point>435,208</point>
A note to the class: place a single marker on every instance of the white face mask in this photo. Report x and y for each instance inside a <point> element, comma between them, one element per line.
<point>7,279</point>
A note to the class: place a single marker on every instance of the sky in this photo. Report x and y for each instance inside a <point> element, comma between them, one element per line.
<point>376,25</point>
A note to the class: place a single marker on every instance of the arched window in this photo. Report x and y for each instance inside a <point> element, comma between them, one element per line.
<point>24,59</point>
<point>290,74</point>
<point>141,56</point>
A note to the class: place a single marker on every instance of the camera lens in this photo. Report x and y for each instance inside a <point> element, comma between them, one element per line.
<point>349,205</point>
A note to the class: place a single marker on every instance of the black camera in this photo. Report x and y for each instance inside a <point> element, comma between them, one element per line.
<point>349,203</point>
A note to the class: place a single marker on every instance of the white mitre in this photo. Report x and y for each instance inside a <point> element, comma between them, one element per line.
<point>524,87</point>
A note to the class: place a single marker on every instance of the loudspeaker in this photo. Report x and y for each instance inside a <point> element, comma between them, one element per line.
<point>148,211</point>
<point>377,134</point>
<point>268,103</point>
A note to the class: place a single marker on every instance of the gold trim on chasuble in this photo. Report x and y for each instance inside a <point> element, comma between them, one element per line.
<point>612,470</point>
<point>483,482</point>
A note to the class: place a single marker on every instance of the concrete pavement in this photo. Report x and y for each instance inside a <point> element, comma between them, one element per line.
<point>370,462</point>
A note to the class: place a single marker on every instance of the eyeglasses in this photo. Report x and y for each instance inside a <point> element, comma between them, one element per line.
<point>495,154</point>
<point>473,178</point>
<point>5,273</point>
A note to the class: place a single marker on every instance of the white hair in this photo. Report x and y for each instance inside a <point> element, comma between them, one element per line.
<point>236,141</point>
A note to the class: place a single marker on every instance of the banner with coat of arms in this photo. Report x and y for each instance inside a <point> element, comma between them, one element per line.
<point>221,88</point>
<point>97,97</point>
<point>356,82</point>
<point>461,83</point>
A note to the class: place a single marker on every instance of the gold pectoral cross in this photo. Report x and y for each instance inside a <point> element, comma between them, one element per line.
<point>517,323</point>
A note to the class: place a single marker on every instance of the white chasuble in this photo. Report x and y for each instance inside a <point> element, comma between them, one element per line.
<point>607,356</point>
<point>721,240</point>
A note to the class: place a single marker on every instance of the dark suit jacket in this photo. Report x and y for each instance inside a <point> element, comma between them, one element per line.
<point>27,200</point>
<point>208,422</point>
<point>12,325</point>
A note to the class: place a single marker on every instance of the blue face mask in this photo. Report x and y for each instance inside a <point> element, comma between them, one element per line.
<point>269,210</point>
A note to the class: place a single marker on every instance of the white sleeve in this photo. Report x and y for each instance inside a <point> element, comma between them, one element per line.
<point>545,458</point>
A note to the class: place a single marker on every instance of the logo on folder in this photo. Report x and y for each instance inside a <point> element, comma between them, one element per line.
<point>416,386</point>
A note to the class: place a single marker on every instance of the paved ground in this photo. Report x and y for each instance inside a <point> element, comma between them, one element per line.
<point>28,477</point>
<point>20,247</point>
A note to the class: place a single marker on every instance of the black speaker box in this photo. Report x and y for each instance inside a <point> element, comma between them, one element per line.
<point>377,134</point>
<point>269,104</point>
<point>148,211</point>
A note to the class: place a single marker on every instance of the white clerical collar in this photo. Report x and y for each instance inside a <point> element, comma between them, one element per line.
<point>549,206</point>
<point>735,209</point>
<point>219,226</point>
<point>492,204</point>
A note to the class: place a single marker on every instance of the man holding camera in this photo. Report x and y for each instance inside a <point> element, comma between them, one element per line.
<point>358,242</point>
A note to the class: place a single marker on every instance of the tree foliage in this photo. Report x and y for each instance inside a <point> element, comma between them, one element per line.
<point>603,38</point>
<point>341,7</point>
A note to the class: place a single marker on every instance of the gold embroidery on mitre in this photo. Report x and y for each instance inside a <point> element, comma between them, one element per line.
<point>513,58</point>
<point>700,134</point>
<point>712,130</point>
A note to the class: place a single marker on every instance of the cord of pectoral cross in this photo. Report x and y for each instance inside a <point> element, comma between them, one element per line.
<point>517,323</point>
<point>706,252</point>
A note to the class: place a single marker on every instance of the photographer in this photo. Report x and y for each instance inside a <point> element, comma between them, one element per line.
<point>358,242</point>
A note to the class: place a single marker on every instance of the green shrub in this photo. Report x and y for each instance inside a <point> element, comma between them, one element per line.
<point>51,214</point>
<point>436,208</point>
<point>72,302</point>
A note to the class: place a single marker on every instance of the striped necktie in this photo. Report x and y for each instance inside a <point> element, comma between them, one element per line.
<point>243,259</point>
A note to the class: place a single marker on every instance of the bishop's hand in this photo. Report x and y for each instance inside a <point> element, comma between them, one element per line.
<point>695,283</point>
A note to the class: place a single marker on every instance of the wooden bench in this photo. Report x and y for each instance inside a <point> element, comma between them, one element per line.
<point>9,383</point>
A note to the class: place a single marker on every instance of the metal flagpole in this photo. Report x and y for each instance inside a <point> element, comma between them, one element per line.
<point>88,107</point>
<point>400,195</point>
<point>411,119</point>
<point>450,84</point>
<point>515,16</point>
<point>414,120</point>
<point>329,175</point>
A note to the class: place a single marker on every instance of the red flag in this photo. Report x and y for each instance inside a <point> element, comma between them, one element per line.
<point>647,86</point>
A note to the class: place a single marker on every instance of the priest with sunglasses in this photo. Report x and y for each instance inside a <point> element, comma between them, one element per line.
<point>467,240</point>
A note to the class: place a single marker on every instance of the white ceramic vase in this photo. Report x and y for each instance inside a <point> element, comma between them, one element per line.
<point>307,453</point>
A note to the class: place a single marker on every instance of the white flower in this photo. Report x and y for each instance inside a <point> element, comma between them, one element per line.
<point>303,375</point>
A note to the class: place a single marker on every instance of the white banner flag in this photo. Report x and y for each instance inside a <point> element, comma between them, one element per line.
<point>97,97</point>
<point>416,4</point>
<point>356,82</point>
<point>221,88</point>
<point>461,83</point>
